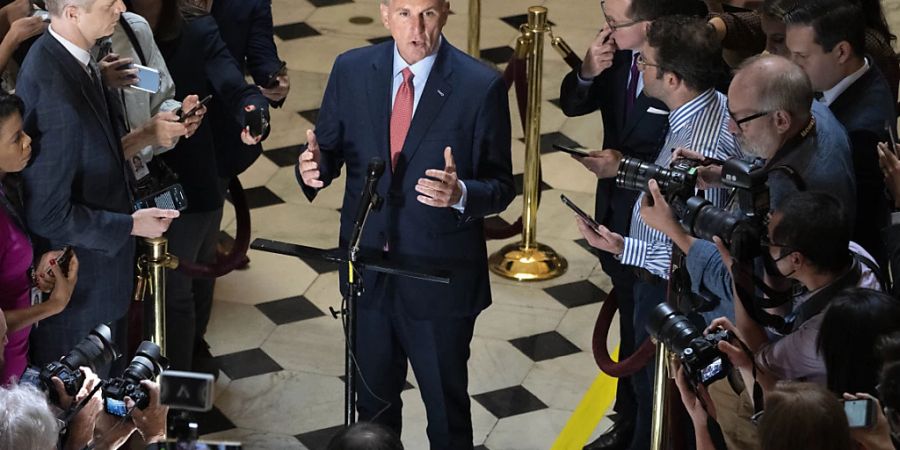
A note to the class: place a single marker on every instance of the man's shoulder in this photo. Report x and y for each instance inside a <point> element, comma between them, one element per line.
<point>866,103</point>
<point>472,69</point>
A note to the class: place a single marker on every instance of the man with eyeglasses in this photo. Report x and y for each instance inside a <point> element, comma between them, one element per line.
<point>827,39</point>
<point>676,63</point>
<point>633,125</point>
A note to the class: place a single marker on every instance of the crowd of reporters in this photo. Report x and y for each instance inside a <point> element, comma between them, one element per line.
<point>107,113</point>
<point>766,219</point>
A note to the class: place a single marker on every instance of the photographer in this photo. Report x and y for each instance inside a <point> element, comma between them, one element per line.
<point>675,64</point>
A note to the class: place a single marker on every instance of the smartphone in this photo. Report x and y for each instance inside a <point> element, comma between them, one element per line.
<point>182,116</point>
<point>860,413</point>
<point>63,260</point>
<point>44,15</point>
<point>272,81</point>
<point>255,121</point>
<point>148,79</point>
<point>890,132</point>
<point>579,152</point>
<point>578,211</point>
<point>169,198</point>
<point>191,391</point>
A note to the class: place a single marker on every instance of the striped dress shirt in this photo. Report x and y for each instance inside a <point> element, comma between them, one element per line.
<point>700,125</point>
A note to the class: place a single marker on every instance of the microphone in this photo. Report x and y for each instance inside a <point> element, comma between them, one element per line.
<point>367,202</point>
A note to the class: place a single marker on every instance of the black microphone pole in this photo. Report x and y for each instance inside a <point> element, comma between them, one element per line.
<point>368,201</point>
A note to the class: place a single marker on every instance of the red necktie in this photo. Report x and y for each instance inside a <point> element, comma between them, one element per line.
<point>401,116</point>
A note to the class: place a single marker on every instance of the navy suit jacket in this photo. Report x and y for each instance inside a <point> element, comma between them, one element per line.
<point>465,106</point>
<point>640,134</point>
<point>863,110</point>
<point>246,28</point>
<point>76,188</point>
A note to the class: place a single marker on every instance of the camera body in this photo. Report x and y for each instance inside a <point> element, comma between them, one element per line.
<point>147,363</point>
<point>702,361</point>
<point>94,351</point>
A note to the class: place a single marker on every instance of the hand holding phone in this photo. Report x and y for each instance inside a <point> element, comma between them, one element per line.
<point>118,72</point>
<point>860,412</point>
<point>587,218</point>
<point>182,116</point>
<point>578,152</point>
<point>272,81</point>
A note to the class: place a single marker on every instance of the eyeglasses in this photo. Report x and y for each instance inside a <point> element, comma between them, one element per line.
<point>612,25</point>
<point>740,122</point>
<point>642,62</point>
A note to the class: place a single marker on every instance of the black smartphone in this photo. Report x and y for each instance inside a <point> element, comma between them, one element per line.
<point>860,413</point>
<point>579,152</point>
<point>890,132</point>
<point>169,198</point>
<point>255,121</point>
<point>272,81</point>
<point>182,116</point>
<point>579,211</point>
<point>63,260</point>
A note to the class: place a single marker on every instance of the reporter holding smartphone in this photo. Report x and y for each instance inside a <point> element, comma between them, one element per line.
<point>19,279</point>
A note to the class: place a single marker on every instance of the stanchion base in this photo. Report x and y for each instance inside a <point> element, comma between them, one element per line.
<point>534,264</point>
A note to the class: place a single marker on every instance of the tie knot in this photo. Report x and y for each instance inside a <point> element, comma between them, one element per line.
<point>407,75</point>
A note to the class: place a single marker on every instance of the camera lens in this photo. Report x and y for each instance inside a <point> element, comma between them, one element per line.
<point>146,364</point>
<point>671,328</point>
<point>634,174</point>
<point>95,350</point>
<point>704,220</point>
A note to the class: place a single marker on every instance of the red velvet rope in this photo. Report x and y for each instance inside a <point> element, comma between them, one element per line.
<point>232,260</point>
<point>629,365</point>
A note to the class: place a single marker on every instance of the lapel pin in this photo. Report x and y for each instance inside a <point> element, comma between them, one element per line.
<point>440,92</point>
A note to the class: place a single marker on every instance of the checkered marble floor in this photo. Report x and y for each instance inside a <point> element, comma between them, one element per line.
<point>280,350</point>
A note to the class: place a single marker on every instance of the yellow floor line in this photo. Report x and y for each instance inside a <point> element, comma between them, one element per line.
<point>590,411</point>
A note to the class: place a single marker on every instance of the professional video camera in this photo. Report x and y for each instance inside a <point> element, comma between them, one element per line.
<point>676,182</point>
<point>701,359</point>
<point>147,363</point>
<point>95,350</point>
<point>741,230</point>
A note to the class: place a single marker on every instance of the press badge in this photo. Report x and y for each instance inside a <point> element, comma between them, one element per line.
<point>37,297</point>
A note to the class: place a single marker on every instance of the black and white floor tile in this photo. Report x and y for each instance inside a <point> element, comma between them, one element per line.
<point>280,349</point>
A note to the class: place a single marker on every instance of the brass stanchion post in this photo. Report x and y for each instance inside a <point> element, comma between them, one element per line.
<point>530,260</point>
<point>475,28</point>
<point>157,260</point>
<point>660,388</point>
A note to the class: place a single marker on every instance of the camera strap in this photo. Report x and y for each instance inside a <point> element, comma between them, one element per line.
<point>819,300</point>
<point>75,409</point>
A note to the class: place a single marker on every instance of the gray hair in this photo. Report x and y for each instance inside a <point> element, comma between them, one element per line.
<point>388,2</point>
<point>781,84</point>
<point>56,7</point>
<point>26,422</point>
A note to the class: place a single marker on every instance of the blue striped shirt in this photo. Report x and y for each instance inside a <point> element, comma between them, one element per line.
<point>700,125</point>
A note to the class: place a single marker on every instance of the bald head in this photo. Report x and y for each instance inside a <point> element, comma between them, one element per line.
<point>778,83</point>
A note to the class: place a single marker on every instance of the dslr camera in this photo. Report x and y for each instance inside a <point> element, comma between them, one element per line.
<point>676,182</point>
<point>702,361</point>
<point>95,350</point>
<point>147,363</point>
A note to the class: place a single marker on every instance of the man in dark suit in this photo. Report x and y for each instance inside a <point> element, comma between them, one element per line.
<point>827,39</point>
<point>634,125</point>
<point>447,142</point>
<point>77,187</point>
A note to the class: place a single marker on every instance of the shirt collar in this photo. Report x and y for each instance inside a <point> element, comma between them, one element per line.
<point>829,96</point>
<point>421,69</point>
<point>79,53</point>
<point>681,115</point>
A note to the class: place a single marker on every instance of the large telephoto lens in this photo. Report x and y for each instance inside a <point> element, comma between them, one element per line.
<point>634,174</point>
<point>146,364</point>
<point>703,220</point>
<point>671,328</point>
<point>95,350</point>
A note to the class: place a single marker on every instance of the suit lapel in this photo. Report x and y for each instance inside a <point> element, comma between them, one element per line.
<point>641,103</point>
<point>437,91</point>
<point>378,92</point>
<point>73,70</point>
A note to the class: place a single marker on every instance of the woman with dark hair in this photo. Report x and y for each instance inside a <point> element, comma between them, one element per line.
<point>853,324</point>
<point>19,279</point>
<point>200,63</point>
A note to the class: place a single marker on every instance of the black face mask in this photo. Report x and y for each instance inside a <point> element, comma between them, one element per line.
<point>771,264</point>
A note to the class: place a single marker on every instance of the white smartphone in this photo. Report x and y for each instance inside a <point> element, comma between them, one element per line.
<point>148,79</point>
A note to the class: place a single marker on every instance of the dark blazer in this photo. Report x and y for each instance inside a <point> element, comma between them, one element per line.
<point>638,135</point>
<point>200,64</point>
<point>76,188</point>
<point>464,105</point>
<point>863,110</point>
<point>246,28</point>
